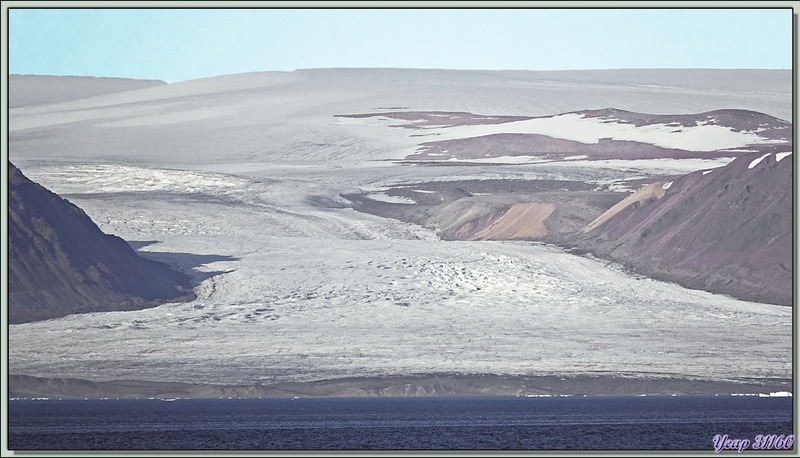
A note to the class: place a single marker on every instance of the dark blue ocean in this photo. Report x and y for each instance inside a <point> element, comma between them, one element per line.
<point>502,423</point>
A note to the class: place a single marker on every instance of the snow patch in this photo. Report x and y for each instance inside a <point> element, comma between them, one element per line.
<point>618,187</point>
<point>756,161</point>
<point>383,197</point>
<point>779,156</point>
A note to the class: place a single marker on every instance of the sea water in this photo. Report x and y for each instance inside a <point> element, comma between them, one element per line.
<point>444,423</point>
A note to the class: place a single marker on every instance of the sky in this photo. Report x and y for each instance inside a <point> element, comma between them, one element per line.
<point>183,44</point>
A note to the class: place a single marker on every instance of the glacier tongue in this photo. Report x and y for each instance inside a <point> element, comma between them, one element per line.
<point>295,291</point>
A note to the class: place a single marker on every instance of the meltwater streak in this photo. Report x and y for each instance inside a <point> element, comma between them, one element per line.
<point>591,423</point>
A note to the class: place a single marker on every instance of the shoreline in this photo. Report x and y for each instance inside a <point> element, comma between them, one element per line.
<point>25,387</point>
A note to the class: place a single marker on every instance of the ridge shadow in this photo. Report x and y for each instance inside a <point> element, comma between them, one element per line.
<point>185,262</point>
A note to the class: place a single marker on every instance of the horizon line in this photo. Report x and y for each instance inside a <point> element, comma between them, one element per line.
<point>411,69</point>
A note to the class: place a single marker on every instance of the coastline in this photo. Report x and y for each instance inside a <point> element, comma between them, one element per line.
<point>423,385</point>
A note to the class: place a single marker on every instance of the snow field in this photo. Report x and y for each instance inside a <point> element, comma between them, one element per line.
<point>288,116</point>
<point>577,127</point>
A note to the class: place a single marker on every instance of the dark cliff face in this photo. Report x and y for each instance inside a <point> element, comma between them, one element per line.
<point>61,263</point>
<point>727,231</point>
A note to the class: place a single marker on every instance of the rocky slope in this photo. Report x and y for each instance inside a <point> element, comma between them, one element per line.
<point>61,263</point>
<point>726,230</point>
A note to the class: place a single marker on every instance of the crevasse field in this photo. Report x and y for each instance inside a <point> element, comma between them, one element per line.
<point>237,181</point>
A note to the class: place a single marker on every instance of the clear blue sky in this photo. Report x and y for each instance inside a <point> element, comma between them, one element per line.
<point>181,44</point>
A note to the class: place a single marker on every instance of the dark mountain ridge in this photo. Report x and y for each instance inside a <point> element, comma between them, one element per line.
<point>61,263</point>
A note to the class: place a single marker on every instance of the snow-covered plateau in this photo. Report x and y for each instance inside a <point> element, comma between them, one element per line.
<point>238,182</point>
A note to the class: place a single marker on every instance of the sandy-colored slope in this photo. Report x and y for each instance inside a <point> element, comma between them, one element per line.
<point>521,221</point>
<point>653,191</point>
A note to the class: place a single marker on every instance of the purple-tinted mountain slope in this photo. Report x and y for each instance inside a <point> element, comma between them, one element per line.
<point>61,263</point>
<point>728,231</point>
<point>550,148</point>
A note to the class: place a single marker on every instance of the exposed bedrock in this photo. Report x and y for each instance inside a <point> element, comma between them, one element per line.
<point>493,209</point>
<point>61,263</point>
<point>728,230</point>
